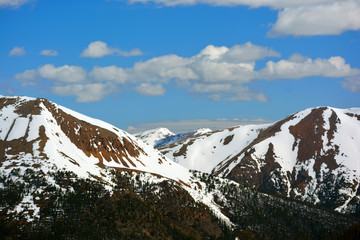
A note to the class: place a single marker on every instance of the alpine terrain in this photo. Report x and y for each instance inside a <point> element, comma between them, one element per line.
<point>64,175</point>
<point>152,136</point>
<point>312,156</point>
<point>162,136</point>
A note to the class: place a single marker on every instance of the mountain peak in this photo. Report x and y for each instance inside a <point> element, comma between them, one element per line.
<point>152,136</point>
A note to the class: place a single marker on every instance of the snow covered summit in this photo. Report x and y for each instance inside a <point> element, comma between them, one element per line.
<point>152,136</point>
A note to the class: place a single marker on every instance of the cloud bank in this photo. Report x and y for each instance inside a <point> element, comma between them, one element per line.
<point>216,74</point>
<point>183,126</point>
<point>295,17</point>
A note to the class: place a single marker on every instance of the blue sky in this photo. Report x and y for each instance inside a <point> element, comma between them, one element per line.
<point>182,64</point>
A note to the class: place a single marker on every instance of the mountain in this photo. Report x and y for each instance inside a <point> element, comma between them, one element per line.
<point>54,137</point>
<point>51,155</point>
<point>160,137</point>
<point>312,156</point>
<point>64,175</point>
<point>152,136</point>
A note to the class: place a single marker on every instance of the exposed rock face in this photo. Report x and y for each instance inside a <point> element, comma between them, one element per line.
<point>312,156</point>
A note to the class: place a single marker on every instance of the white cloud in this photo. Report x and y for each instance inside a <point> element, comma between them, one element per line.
<point>248,52</point>
<point>110,73</point>
<point>147,89</point>
<point>213,72</point>
<point>328,19</point>
<point>213,67</point>
<point>99,49</point>
<point>244,53</point>
<point>84,92</point>
<point>17,51</point>
<point>134,52</point>
<point>27,75</point>
<point>300,67</point>
<point>49,52</point>
<point>163,69</point>
<point>228,92</point>
<point>352,84</point>
<point>64,73</point>
<point>216,73</point>
<point>296,17</point>
<point>13,3</point>
<point>212,64</point>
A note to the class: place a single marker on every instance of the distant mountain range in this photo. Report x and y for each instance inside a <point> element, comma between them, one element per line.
<point>64,175</point>
<point>160,137</point>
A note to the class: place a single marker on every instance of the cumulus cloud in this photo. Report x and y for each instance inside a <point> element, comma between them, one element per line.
<point>109,73</point>
<point>300,67</point>
<point>352,84</point>
<point>100,49</point>
<point>147,89</point>
<point>28,77</point>
<point>84,92</point>
<point>216,73</point>
<point>328,19</point>
<point>248,52</point>
<point>163,69</point>
<point>49,52</point>
<point>13,3</point>
<point>17,51</point>
<point>64,73</point>
<point>295,17</point>
<point>228,92</point>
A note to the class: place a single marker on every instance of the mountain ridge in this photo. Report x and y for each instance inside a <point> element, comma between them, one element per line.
<point>293,156</point>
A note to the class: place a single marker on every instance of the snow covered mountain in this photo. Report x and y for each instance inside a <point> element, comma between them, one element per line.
<point>312,156</point>
<point>44,134</point>
<point>152,136</point>
<point>160,137</point>
<point>40,139</point>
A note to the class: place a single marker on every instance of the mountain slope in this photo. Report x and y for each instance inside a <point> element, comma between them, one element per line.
<point>310,156</point>
<point>54,136</point>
